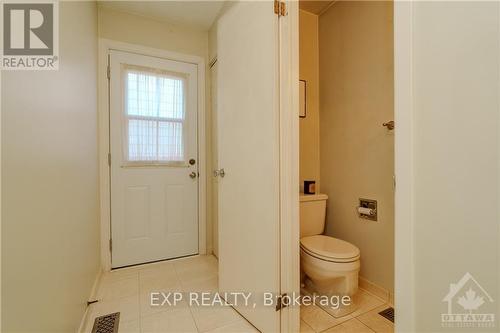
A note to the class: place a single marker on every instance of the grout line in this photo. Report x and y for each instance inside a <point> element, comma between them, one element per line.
<point>179,281</point>
<point>359,321</point>
<point>303,321</point>
<point>377,297</point>
<point>385,303</point>
<point>335,325</point>
<point>137,274</point>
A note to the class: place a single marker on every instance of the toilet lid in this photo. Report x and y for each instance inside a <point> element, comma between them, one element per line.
<point>329,247</point>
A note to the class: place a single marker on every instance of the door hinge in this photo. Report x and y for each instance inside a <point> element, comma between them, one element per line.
<point>110,245</point>
<point>280,8</point>
<point>109,159</point>
<point>279,302</point>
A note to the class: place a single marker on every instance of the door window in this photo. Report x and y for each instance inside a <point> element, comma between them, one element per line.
<point>154,116</point>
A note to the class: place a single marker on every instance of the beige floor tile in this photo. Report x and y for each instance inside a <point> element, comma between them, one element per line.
<point>195,278</point>
<point>121,273</point>
<point>127,306</point>
<point>365,302</point>
<point>159,304</point>
<point>112,289</point>
<point>198,260</point>
<point>376,322</point>
<point>350,326</point>
<point>128,291</point>
<point>159,284</point>
<point>205,284</point>
<point>168,322</point>
<point>304,328</point>
<point>318,319</point>
<point>165,268</point>
<point>158,278</point>
<point>129,327</point>
<point>196,269</point>
<point>203,264</point>
<point>211,317</point>
<point>241,326</point>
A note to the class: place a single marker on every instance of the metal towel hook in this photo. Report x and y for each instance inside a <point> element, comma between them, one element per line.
<point>389,125</point>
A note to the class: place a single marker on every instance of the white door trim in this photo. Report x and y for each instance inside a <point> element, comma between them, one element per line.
<point>404,161</point>
<point>103,113</point>
<point>404,288</point>
<point>289,163</point>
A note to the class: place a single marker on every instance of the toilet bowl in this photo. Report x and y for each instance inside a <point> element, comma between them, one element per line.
<point>329,266</point>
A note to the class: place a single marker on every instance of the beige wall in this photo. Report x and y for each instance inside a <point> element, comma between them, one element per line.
<point>50,230</point>
<point>140,30</point>
<point>134,29</point>
<point>456,158</point>
<point>357,153</point>
<point>309,167</point>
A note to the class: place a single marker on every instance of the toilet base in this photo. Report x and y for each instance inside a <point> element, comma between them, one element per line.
<point>330,278</point>
<point>339,311</point>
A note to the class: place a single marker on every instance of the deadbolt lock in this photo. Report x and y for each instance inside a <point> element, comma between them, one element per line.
<point>192,161</point>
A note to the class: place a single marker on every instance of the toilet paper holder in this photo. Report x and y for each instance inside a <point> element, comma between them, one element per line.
<point>367,209</point>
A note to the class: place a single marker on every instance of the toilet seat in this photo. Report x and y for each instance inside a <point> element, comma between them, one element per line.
<point>329,248</point>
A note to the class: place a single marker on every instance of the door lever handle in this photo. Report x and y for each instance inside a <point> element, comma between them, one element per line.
<point>192,175</point>
<point>390,125</point>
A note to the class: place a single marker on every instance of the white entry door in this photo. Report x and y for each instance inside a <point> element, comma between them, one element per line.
<point>248,145</point>
<point>154,159</point>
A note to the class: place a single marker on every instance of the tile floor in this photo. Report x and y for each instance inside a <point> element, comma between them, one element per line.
<point>364,320</point>
<point>128,291</point>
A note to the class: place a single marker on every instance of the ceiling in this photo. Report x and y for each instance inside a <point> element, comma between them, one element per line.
<point>195,14</point>
<point>315,6</point>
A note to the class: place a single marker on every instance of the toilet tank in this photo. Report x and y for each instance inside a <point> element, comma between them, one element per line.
<point>312,214</point>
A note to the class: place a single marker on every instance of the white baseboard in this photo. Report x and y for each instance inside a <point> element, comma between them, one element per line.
<point>92,296</point>
<point>376,290</point>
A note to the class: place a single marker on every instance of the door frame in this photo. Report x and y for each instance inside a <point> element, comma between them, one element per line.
<point>404,156</point>
<point>105,45</point>
<point>404,161</point>
<point>289,163</point>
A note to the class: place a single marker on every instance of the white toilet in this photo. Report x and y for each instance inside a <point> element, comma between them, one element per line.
<point>330,264</point>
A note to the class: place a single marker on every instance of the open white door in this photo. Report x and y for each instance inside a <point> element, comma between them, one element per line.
<point>248,143</point>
